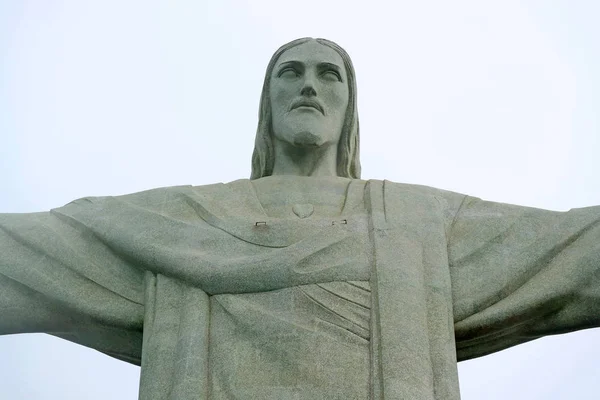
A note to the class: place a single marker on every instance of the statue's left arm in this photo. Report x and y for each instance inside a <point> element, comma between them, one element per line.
<point>520,273</point>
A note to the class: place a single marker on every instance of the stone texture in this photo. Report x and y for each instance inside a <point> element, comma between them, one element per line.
<point>305,282</point>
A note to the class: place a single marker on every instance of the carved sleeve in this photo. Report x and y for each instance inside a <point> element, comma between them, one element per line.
<point>520,273</point>
<point>57,277</point>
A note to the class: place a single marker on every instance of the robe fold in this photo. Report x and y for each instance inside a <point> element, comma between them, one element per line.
<point>217,300</point>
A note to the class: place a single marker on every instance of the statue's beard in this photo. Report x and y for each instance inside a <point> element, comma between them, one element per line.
<point>306,139</point>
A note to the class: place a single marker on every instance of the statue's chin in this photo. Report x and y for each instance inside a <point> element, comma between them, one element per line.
<point>306,139</point>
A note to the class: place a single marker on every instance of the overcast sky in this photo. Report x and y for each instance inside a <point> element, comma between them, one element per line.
<point>500,100</point>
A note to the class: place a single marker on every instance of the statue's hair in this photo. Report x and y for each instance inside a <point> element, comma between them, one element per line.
<point>348,160</point>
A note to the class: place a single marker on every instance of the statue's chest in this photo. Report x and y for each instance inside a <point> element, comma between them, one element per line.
<point>275,253</point>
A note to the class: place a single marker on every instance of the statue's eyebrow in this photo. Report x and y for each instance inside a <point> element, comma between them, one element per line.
<point>325,65</point>
<point>293,63</point>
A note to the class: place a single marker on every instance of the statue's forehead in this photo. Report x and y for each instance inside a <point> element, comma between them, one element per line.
<point>311,52</point>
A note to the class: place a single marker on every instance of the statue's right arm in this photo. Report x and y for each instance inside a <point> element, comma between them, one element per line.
<point>57,277</point>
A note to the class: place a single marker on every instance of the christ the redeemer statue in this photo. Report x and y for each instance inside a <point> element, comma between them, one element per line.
<point>304,282</point>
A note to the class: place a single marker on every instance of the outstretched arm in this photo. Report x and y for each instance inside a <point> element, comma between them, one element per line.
<point>520,273</point>
<point>56,277</point>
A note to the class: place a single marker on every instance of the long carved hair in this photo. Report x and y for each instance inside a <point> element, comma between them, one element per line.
<point>348,160</point>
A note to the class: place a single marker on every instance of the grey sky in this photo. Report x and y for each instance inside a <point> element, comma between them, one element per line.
<point>499,100</point>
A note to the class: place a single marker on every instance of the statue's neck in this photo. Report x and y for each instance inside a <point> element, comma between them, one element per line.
<point>304,161</point>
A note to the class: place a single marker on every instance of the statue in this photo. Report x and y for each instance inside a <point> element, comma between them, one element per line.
<point>304,282</point>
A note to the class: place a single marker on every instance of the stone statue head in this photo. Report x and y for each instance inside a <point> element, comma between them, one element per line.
<point>348,162</point>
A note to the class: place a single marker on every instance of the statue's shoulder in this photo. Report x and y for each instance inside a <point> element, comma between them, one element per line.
<point>449,200</point>
<point>417,189</point>
<point>219,187</point>
<point>180,202</point>
<point>177,191</point>
<point>171,193</point>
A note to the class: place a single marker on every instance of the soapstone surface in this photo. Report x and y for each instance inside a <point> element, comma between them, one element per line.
<point>304,282</point>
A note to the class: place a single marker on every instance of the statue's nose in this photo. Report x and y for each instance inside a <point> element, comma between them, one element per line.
<point>308,88</point>
<point>308,91</point>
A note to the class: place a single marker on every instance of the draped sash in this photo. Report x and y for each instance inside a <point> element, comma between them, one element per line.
<point>412,335</point>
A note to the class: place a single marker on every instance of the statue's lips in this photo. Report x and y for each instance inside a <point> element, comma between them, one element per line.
<point>308,104</point>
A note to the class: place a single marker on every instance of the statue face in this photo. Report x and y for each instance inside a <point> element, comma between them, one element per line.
<point>309,96</point>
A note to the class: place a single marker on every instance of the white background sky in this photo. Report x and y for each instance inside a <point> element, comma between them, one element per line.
<point>500,100</point>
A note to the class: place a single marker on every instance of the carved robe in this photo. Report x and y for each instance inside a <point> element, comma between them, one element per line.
<point>217,300</point>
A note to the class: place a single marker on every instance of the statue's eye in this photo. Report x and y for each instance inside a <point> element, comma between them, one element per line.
<point>331,75</point>
<point>288,73</point>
